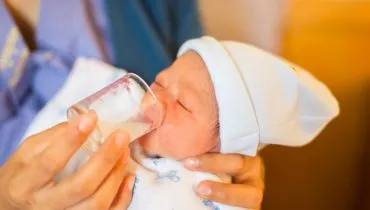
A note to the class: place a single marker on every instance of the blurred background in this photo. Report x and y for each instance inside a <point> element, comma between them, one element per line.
<point>330,38</point>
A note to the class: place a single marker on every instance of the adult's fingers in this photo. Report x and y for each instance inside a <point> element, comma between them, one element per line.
<point>45,166</point>
<point>231,164</point>
<point>104,196</point>
<point>91,175</point>
<point>245,196</point>
<point>124,197</point>
<point>37,143</point>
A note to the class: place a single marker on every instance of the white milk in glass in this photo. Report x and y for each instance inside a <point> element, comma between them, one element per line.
<point>119,110</point>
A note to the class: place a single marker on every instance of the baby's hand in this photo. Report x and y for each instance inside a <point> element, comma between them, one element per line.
<point>190,125</point>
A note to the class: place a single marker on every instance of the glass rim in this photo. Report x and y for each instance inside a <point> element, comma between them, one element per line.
<point>84,102</point>
<point>147,87</point>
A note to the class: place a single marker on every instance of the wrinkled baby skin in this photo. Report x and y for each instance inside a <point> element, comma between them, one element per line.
<point>190,121</point>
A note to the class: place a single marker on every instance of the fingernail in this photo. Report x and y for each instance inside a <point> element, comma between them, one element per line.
<point>121,139</point>
<point>85,123</point>
<point>192,163</point>
<point>204,190</point>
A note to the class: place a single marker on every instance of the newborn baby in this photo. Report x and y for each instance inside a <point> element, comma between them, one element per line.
<point>224,97</point>
<point>221,97</point>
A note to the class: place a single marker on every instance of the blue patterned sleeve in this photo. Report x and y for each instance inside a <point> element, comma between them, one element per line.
<point>40,77</point>
<point>27,81</point>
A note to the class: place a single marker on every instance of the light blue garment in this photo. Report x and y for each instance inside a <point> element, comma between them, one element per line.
<point>60,40</point>
<point>69,28</point>
<point>20,98</point>
<point>13,85</point>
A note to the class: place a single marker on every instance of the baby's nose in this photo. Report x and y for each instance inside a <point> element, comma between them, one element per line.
<point>164,97</point>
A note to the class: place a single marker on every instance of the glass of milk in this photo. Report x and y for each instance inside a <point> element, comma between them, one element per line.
<point>127,104</point>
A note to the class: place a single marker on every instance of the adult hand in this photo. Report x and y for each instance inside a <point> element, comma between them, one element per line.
<point>27,178</point>
<point>247,175</point>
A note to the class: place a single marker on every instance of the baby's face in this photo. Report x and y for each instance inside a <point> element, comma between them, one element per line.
<point>190,124</point>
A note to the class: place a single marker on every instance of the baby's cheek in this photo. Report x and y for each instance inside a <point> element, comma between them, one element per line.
<point>182,135</point>
<point>174,139</point>
<point>186,140</point>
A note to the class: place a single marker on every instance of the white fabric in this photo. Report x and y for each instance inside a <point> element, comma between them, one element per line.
<point>86,77</point>
<point>165,184</point>
<point>262,98</point>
